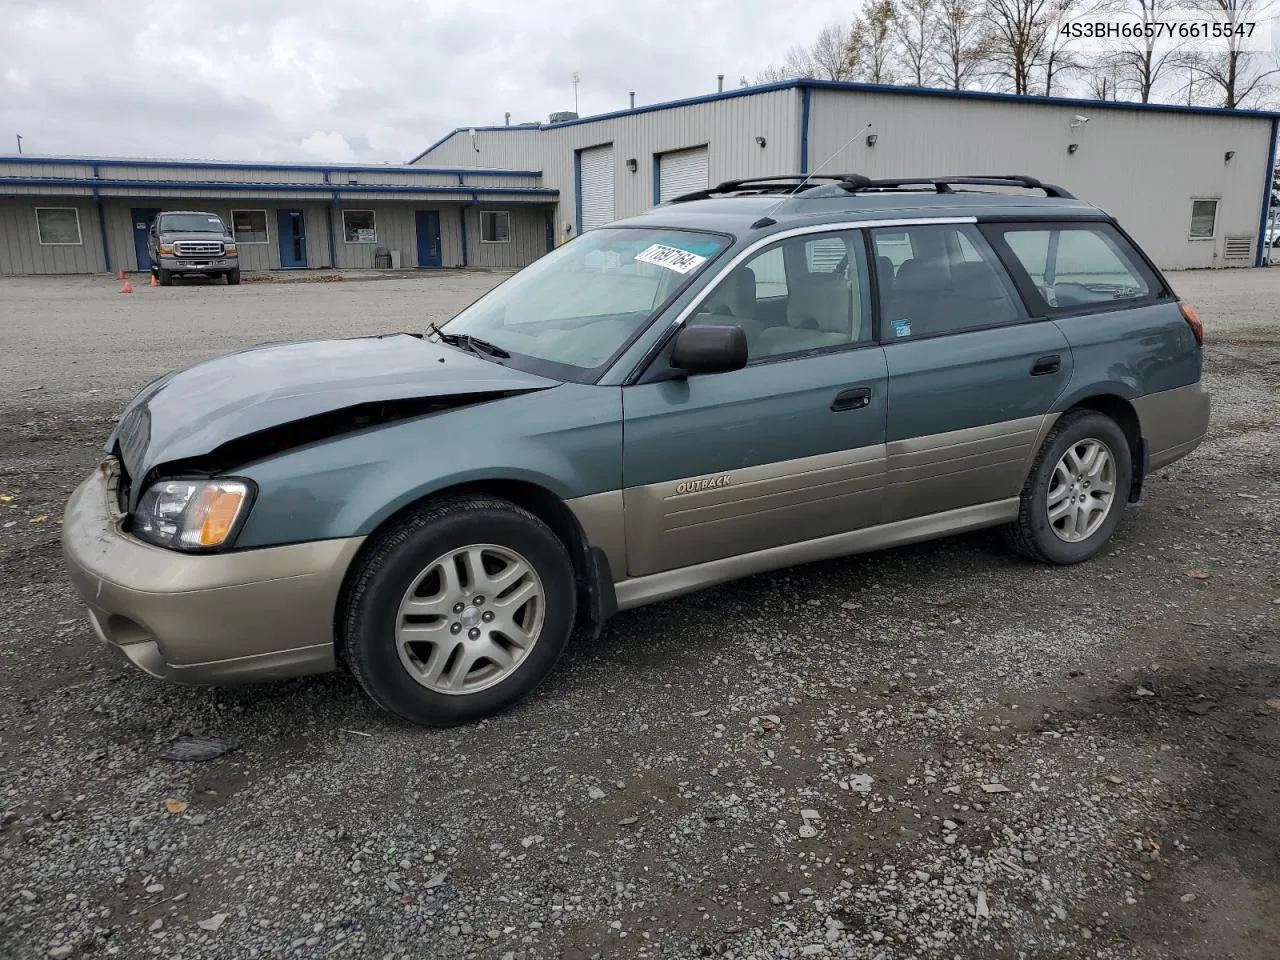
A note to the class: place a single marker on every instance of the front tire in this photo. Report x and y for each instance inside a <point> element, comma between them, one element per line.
<point>458,611</point>
<point>233,277</point>
<point>1076,491</point>
<point>164,276</point>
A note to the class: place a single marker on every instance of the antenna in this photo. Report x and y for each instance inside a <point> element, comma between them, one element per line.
<point>809,176</point>
<point>576,80</point>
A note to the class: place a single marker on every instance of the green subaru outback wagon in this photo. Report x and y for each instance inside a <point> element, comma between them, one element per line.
<point>760,374</point>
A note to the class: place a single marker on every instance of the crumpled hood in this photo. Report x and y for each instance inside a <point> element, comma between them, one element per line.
<point>192,412</point>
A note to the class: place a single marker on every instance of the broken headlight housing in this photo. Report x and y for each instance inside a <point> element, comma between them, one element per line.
<point>192,514</point>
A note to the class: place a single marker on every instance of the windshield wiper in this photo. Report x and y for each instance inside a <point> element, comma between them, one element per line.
<point>465,340</point>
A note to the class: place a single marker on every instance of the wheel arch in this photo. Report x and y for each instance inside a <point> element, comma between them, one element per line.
<point>596,601</point>
<point>1125,415</point>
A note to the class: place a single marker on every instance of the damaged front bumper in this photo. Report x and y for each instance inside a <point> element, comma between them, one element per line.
<point>207,618</point>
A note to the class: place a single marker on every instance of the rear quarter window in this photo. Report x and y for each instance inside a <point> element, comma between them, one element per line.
<point>1074,266</point>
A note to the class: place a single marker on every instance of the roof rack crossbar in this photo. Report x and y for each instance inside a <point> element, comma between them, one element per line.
<point>943,184</point>
<point>781,183</point>
<point>854,182</point>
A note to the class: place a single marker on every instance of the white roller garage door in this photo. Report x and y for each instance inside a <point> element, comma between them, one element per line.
<point>596,201</point>
<point>682,171</point>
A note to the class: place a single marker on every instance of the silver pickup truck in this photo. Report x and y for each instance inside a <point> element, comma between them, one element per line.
<point>192,242</point>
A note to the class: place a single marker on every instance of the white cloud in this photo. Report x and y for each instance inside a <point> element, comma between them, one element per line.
<point>376,81</point>
<point>331,146</point>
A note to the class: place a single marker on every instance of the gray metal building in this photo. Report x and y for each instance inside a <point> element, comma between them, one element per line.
<point>85,214</point>
<point>1192,184</point>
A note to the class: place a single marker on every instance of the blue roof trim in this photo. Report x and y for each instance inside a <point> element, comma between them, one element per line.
<point>937,92</point>
<point>945,92</point>
<point>330,168</point>
<point>335,188</point>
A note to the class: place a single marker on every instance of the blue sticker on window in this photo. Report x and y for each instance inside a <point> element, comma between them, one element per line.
<point>901,327</point>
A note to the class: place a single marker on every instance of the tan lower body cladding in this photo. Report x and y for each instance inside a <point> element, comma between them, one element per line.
<point>700,521</point>
<point>674,537</point>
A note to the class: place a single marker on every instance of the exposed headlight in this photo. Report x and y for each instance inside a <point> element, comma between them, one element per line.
<point>229,248</point>
<point>166,249</point>
<point>191,514</point>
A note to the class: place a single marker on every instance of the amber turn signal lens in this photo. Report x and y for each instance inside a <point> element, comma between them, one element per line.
<point>1193,321</point>
<point>217,510</point>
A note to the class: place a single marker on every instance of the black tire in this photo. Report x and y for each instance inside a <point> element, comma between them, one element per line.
<point>1032,534</point>
<point>164,276</point>
<point>369,614</point>
<point>233,277</point>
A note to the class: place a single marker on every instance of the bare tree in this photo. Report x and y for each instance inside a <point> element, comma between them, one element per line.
<point>915,27</point>
<point>1237,76</point>
<point>872,42</point>
<point>1017,29</point>
<point>1103,78</point>
<point>1055,56</point>
<point>827,58</point>
<point>1139,64</point>
<point>960,42</point>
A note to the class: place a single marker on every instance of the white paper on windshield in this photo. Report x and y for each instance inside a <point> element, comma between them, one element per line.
<point>673,258</point>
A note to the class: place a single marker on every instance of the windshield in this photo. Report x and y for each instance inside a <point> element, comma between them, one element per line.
<point>191,223</point>
<point>576,306</point>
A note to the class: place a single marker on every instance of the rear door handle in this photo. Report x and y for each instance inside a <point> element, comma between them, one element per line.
<point>1046,365</point>
<point>855,398</point>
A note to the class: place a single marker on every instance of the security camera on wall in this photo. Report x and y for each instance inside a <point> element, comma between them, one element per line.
<point>1079,119</point>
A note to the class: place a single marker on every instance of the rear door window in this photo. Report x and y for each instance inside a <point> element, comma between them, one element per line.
<point>1076,266</point>
<point>938,279</point>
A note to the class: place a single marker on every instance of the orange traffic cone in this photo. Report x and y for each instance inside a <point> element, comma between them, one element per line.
<point>154,281</point>
<point>127,288</point>
<point>120,274</point>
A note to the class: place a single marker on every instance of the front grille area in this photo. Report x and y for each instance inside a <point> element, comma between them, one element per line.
<point>198,248</point>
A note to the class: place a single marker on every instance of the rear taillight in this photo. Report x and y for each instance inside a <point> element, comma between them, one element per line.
<point>1193,321</point>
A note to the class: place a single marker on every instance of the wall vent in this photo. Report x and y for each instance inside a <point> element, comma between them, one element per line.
<point>1237,248</point>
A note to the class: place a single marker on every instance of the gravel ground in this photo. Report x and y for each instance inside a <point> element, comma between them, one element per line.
<point>937,752</point>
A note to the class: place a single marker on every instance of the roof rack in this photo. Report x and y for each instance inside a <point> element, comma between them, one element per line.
<point>857,183</point>
<point>944,184</point>
<point>785,183</point>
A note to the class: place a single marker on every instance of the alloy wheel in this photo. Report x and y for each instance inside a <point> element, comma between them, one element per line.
<point>1081,490</point>
<point>470,618</point>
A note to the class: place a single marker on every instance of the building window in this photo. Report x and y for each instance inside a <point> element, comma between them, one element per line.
<point>495,226</point>
<point>249,226</point>
<point>58,226</point>
<point>1204,219</point>
<point>359,226</point>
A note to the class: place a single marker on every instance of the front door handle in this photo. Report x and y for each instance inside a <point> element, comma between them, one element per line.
<point>1046,365</point>
<point>855,398</point>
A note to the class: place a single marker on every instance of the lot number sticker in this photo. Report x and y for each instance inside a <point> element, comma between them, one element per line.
<point>681,261</point>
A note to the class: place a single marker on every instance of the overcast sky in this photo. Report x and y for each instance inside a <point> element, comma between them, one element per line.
<point>257,80</point>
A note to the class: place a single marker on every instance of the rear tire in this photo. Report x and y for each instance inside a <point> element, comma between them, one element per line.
<point>165,277</point>
<point>439,648</point>
<point>1076,491</point>
<point>233,277</point>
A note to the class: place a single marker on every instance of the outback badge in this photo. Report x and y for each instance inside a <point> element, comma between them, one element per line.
<point>706,483</point>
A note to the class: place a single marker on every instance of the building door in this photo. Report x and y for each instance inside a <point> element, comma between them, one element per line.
<point>680,172</point>
<point>595,187</point>
<point>291,227</point>
<point>142,217</point>
<point>429,254</point>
